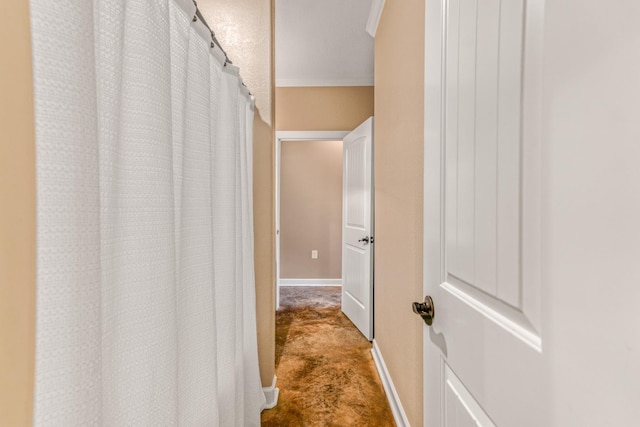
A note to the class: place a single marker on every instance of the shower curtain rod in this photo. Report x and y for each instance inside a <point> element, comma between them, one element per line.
<point>214,40</point>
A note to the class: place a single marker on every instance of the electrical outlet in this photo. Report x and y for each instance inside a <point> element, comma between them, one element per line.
<point>314,254</point>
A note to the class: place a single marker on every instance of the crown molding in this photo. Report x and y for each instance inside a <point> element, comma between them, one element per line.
<point>305,82</point>
<point>374,17</point>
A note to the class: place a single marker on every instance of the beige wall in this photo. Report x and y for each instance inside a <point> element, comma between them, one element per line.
<point>17,217</point>
<point>323,108</point>
<point>244,27</point>
<point>398,169</point>
<point>311,209</point>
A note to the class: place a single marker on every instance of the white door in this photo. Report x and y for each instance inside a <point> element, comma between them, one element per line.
<point>357,223</point>
<point>532,213</point>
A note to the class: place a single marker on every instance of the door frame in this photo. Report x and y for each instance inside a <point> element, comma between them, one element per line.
<point>293,135</point>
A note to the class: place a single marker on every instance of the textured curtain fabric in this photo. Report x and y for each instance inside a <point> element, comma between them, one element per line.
<point>145,286</point>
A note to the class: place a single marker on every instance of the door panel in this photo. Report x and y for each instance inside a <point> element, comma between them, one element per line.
<point>461,409</point>
<point>354,275</point>
<point>483,174</point>
<point>357,277</point>
<point>483,171</point>
<point>355,158</point>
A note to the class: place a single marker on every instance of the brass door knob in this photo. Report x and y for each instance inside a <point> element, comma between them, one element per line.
<point>425,309</point>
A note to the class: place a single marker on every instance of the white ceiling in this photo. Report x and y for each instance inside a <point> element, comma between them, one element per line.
<point>323,43</point>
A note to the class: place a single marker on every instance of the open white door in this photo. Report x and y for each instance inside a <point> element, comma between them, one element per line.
<point>357,222</point>
<point>484,352</point>
<point>531,229</point>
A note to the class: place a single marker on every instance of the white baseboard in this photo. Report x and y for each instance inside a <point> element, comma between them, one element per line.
<point>310,282</point>
<point>271,394</point>
<point>392,396</point>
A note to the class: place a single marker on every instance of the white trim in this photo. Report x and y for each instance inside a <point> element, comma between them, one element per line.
<point>271,394</point>
<point>392,395</point>
<point>294,135</point>
<point>310,282</point>
<point>434,18</point>
<point>310,135</point>
<point>320,82</point>
<point>374,17</point>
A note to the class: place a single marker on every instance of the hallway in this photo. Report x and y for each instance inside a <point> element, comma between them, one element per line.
<point>324,366</point>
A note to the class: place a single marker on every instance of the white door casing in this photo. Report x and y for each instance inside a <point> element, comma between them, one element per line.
<point>357,223</point>
<point>483,362</point>
<point>535,150</point>
<point>282,136</point>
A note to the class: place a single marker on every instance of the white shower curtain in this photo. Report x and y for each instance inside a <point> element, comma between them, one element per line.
<point>145,287</point>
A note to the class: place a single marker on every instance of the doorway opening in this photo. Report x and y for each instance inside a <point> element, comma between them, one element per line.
<point>347,220</point>
<point>309,200</point>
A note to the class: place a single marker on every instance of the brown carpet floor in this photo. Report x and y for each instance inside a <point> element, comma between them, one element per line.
<point>324,366</point>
